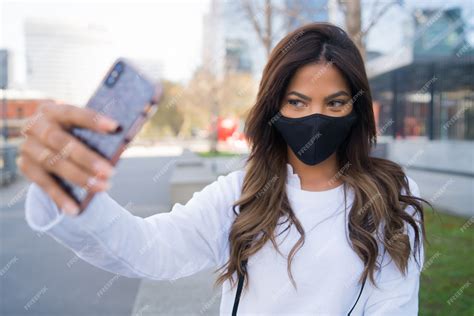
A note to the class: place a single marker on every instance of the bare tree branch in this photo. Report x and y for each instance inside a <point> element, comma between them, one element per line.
<point>342,5</point>
<point>253,19</point>
<point>377,17</point>
<point>268,20</point>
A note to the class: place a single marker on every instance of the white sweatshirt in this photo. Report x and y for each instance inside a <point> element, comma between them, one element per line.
<point>194,236</point>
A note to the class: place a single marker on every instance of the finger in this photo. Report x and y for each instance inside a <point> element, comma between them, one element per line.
<point>36,174</point>
<point>69,115</point>
<point>54,162</point>
<point>70,148</point>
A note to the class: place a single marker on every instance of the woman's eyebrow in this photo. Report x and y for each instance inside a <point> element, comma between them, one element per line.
<point>329,97</point>
<point>302,96</point>
<point>306,98</point>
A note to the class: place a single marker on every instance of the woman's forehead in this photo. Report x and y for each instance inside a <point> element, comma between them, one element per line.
<point>318,77</point>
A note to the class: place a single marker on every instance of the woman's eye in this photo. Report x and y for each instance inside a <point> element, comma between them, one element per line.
<point>296,103</point>
<point>337,103</point>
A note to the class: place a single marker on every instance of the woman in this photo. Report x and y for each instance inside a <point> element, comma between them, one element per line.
<point>303,226</point>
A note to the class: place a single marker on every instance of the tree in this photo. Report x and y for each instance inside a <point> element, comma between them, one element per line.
<point>214,96</point>
<point>167,120</point>
<point>263,19</point>
<point>351,10</point>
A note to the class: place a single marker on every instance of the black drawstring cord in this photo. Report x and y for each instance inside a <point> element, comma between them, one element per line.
<point>241,284</point>
<point>239,289</point>
<point>360,293</point>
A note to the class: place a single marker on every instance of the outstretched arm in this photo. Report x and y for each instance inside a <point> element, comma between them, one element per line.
<point>168,246</point>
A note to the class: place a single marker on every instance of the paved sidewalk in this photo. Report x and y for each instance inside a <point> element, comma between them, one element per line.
<point>13,195</point>
<point>193,295</point>
<point>448,193</point>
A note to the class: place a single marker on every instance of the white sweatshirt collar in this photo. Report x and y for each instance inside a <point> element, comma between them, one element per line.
<point>294,185</point>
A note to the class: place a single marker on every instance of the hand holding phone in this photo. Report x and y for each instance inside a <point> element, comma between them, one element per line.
<point>50,150</point>
<point>70,152</point>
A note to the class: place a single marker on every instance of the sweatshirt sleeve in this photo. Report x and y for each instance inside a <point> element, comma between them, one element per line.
<point>398,294</point>
<point>164,246</point>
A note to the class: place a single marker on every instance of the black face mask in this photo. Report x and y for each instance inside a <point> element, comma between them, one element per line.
<point>313,138</point>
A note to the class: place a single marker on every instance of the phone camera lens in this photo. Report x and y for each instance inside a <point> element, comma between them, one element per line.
<point>119,67</point>
<point>114,75</point>
<point>110,80</point>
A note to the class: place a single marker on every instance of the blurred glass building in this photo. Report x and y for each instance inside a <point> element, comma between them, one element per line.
<point>423,102</point>
<point>431,95</point>
<point>230,41</point>
<point>430,98</point>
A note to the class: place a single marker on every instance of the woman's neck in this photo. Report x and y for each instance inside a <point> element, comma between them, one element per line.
<point>319,177</point>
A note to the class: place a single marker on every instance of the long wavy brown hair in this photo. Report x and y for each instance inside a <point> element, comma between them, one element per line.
<point>259,214</point>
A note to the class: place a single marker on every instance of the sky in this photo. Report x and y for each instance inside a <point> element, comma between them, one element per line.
<point>168,31</point>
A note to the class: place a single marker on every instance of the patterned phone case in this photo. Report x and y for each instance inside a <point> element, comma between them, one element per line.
<point>129,98</point>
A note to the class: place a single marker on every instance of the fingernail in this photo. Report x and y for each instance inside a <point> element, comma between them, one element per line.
<point>91,182</point>
<point>103,168</point>
<point>107,123</point>
<point>70,208</point>
<point>118,129</point>
<point>95,183</point>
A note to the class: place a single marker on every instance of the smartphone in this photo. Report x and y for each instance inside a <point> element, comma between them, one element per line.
<point>127,95</point>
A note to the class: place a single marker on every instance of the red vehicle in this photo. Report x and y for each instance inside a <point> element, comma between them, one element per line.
<point>230,131</point>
